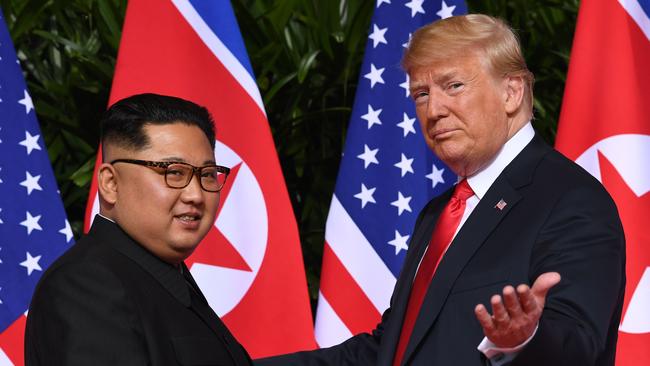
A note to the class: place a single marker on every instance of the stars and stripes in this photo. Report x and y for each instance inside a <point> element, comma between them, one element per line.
<point>34,230</point>
<point>386,176</point>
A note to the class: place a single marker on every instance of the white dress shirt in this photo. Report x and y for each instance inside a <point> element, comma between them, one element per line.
<point>480,183</point>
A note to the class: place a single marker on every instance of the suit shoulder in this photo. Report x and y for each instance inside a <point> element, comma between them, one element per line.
<point>564,172</point>
<point>572,183</point>
<point>86,259</point>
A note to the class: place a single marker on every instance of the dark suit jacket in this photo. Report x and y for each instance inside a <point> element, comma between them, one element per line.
<point>557,218</point>
<point>108,301</point>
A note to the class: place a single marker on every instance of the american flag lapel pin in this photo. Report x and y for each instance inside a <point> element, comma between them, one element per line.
<point>500,205</point>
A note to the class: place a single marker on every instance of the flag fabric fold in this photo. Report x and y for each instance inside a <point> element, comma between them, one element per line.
<point>386,176</point>
<point>34,229</point>
<point>604,127</point>
<point>249,266</point>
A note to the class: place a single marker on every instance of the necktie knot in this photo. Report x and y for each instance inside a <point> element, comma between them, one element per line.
<point>463,191</point>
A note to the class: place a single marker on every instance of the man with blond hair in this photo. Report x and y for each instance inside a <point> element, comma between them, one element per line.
<point>521,214</point>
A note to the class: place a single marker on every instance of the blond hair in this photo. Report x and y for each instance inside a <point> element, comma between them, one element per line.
<point>459,35</point>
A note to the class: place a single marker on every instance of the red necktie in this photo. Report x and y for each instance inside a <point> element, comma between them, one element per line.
<point>442,234</point>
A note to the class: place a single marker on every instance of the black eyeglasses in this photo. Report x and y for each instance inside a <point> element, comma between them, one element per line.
<point>179,175</point>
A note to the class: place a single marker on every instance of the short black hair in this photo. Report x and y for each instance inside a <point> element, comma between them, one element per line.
<point>123,123</point>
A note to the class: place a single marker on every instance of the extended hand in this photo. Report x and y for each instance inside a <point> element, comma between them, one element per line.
<point>516,317</point>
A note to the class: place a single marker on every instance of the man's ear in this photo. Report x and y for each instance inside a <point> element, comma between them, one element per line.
<point>107,183</point>
<point>514,93</point>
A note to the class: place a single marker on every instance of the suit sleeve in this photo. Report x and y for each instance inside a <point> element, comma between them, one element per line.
<point>583,240</point>
<point>361,349</point>
<point>80,315</point>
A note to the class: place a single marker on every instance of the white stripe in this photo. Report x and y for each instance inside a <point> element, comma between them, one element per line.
<point>636,12</point>
<point>4,359</point>
<point>95,209</point>
<point>329,328</point>
<point>221,52</point>
<point>358,256</point>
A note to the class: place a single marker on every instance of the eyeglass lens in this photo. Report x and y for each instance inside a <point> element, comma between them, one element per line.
<point>179,176</point>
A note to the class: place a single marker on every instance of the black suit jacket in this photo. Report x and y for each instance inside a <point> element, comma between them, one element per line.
<point>557,218</point>
<point>108,301</point>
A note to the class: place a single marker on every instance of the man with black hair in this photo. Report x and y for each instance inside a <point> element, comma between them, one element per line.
<point>122,295</point>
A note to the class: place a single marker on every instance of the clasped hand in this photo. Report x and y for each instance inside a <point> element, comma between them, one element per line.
<point>516,313</point>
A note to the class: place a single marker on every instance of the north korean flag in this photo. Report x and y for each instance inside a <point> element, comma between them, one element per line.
<point>605,127</point>
<point>250,264</point>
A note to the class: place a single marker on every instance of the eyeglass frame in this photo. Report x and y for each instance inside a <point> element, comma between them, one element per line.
<point>165,165</point>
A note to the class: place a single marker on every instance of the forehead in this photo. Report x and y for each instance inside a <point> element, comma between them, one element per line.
<point>441,70</point>
<point>178,139</point>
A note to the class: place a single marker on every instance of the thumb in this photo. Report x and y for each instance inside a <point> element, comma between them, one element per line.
<point>543,284</point>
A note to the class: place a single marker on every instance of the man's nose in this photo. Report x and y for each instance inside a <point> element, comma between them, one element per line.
<point>436,108</point>
<point>193,191</point>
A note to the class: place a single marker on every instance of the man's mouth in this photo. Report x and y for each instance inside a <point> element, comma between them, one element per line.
<point>189,217</point>
<point>441,132</point>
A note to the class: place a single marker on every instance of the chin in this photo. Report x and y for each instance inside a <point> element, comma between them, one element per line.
<point>185,246</point>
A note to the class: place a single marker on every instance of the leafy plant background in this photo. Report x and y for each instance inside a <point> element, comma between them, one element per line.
<point>306,55</point>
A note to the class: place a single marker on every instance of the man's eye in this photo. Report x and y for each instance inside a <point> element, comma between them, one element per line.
<point>419,94</point>
<point>455,86</point>
<point>209,174</point>
<point>174,172</point>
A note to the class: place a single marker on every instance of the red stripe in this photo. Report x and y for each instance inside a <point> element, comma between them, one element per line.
<point>345,296</point>
<point>93,191</point>
<point>11,341</point>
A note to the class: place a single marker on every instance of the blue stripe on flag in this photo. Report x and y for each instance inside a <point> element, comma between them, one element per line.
<point>220,17</point>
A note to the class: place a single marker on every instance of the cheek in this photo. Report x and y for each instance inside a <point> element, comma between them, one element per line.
<point>422,121</point>
<point>212,203</point>
<point>151,196</point>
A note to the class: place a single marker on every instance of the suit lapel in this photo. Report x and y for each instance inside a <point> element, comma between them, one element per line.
<point>400,296</point>
<point>201,307</point>
<point>167,275</point>
<point>483,220</point>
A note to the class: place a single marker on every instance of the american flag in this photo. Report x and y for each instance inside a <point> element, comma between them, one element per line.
<point>34,230</point>
<point>387,175</point>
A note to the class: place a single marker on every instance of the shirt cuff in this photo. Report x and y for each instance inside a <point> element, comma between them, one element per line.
<point>490,350</point>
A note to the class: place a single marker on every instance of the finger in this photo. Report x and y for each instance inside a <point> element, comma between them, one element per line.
<point>484,318</point>
<point>526,299</point>
<point>543,284</point>
<point>500,315</point>
<point>511,301</point>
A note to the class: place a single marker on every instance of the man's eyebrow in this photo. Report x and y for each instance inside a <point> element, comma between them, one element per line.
<point>439,79</point>
<point>181,160</point>
<point>416,84</point>
<point>174,159</point>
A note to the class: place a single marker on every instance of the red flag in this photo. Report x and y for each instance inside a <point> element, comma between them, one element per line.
<point>605,127</point>
<point>250,265</point>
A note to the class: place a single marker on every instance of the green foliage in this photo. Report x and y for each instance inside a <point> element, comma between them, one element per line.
<point>67,50</point>
<point>545,28</point>
<point>306,55</point>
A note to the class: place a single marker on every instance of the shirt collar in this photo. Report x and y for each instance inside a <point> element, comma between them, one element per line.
<point>481,181</point>
<point>111,220</point>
